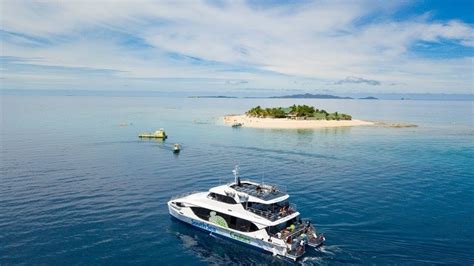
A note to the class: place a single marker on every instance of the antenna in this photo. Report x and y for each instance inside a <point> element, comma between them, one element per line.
<point>236,175</point>
<point>264,160</point>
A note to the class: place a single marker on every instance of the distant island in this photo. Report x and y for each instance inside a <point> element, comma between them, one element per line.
<point>310,96</point>
<point>293,117</point>
<point>218,96</point>
<point>293,96</point>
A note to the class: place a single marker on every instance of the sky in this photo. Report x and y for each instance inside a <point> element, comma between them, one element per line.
<point>232,47</point>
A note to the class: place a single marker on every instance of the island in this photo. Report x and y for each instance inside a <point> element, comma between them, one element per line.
<point>369,98</point>
<point>214,97</point>
<point>293,96</point>
<point>293,117</point>
<point>310,96</point>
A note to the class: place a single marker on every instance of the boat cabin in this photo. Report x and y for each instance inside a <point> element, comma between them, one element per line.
<point>266,201</point>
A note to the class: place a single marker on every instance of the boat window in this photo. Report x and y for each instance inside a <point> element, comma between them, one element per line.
<point>224,220</point>
<point>244,226</point>
<point>179,204</point>
<point>222,198</point>
<point>202,213</point>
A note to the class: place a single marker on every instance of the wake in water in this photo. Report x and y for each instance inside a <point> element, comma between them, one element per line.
<point>326,254</point>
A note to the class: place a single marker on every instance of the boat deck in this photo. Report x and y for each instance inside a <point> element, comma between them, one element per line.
<point>271,215</point>
<point>263,193</point>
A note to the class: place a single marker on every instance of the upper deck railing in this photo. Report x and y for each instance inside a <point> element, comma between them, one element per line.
<point>296,232</point>
<point>274,215</point>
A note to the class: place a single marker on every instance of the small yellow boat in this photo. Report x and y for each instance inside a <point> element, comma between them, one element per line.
<point>159,134</point>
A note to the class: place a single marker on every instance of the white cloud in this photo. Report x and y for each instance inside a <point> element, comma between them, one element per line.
<point>357,80</point>
<point>324,41</point>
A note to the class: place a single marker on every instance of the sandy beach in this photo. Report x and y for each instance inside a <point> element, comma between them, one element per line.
<point>284,123</point>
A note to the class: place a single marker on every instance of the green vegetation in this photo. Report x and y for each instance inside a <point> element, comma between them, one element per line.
<point>267,112</point>
<point>296,112</point>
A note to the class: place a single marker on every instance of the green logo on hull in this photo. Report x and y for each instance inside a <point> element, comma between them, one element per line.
<point>240,237</point>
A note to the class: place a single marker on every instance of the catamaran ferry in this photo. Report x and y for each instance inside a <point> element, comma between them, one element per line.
<point>255,214</point>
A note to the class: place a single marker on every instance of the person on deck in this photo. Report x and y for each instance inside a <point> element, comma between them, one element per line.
<point>282,211</point>
<point>291,228</point>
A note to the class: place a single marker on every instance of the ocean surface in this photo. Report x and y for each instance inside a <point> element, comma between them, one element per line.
<point>77,186</point>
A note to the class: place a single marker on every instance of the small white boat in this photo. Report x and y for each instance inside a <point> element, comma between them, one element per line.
<point>234,125</point>
<point>254,214</point>
<point>176,148</point>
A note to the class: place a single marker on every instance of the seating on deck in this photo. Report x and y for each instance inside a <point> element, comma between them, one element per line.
<point>259,191</point>
<point>274,213</point>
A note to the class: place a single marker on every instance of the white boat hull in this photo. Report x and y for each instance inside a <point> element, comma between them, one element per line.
<point>184,215</point>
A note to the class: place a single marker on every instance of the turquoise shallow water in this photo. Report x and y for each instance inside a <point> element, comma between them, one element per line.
<point>78,189</point>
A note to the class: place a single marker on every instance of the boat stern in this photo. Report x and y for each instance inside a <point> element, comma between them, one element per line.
<point>316,240</point>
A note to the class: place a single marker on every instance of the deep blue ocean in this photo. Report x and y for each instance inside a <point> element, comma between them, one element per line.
<point>78,188</point>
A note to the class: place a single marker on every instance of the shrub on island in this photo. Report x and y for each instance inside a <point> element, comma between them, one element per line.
<point>296,112</point>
